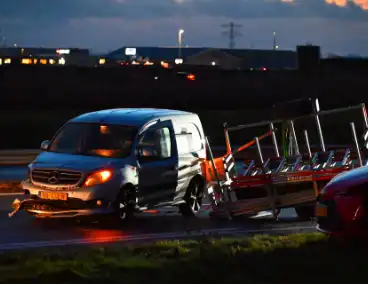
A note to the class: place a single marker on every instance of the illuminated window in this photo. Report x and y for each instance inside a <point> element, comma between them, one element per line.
<point>164,64</point>
<point>62,61</point>
<point>52,61</point>
<point>7,61</point>
<point>63,51</point>
<point>130,51</point>
<point>43,61</point>
<point>1,61</point>
<point>102,61</point>
<point>178,61</point>
<point>26,61</point>
<point>35,61</point>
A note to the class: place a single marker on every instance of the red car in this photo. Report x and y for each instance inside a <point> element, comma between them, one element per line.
<point>342,205</point>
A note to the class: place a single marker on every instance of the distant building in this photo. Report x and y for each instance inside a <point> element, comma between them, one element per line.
<point>40,51</point>
<point>215,57</point>
<point>153,53</point>
<point>227,58</point>
<point>46,56</point>
<point>245,59</point>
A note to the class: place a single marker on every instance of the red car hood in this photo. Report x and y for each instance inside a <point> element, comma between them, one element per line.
<point>349,178</point>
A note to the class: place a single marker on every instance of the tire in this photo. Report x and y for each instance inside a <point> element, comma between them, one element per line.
<point>193,199</point>
<point>124,208</point>
<point>305,212</point>
<point>125,204</point>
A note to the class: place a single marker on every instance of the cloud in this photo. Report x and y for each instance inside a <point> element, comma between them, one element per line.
<point>53,11</point>
<point>338,25</point>
<point>72,9</point>
<point>240,9</point>
<point>363,4</point>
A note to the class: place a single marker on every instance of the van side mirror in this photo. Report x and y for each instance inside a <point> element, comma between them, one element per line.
<point>147,154</point>
<point>45,145</point>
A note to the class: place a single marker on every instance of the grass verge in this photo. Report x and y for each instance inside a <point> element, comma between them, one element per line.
<point>299,258</point>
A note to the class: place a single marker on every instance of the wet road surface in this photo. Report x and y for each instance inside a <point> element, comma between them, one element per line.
<point>22,230</point>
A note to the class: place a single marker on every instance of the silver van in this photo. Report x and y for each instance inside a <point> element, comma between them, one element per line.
<point>116,163</point>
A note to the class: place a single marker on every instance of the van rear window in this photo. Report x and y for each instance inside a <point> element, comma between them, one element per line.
<point>189,139</point>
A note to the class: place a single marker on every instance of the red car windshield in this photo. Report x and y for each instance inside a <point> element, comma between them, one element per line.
<point>92,139</point>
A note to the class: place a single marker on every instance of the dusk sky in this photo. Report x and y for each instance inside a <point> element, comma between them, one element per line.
<point>339,26</point>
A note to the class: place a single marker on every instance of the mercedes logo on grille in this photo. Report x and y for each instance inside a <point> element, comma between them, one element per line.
<point>54,177</point>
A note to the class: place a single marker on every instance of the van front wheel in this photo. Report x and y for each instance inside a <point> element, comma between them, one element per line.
<point>193,199</point>
<point>124,205</point>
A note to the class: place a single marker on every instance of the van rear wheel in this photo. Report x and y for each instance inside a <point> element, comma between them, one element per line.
<point>193,199</point>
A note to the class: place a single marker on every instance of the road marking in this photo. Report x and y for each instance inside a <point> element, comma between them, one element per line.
<point>147,237</point>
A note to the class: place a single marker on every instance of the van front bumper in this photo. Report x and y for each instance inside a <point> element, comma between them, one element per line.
<point>80,202</point>
<point>107,191</point>
<point>59,209</point>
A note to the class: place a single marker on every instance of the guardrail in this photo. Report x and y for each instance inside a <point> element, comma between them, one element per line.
<point>23,157</point>
<point>17,157</point>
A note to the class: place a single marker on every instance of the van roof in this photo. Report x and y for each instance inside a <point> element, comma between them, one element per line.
<point>127,116</point>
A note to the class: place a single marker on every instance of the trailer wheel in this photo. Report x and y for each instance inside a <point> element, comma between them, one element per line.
<point>193,198</point>
<point>305,212</point>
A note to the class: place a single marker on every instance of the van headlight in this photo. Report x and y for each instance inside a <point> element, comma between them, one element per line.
<point>98,177</point>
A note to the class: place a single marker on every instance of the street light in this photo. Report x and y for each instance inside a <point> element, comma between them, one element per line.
<point>180,40</point>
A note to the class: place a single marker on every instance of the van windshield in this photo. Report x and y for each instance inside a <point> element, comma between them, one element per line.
<point>92,139</point>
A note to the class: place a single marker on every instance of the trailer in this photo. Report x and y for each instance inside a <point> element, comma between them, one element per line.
<point>293,179</point>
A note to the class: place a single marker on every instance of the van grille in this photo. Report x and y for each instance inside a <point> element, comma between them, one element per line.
<point>56,177</point>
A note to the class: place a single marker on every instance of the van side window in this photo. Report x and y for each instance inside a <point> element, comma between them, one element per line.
<point>189,139</point>
<point>160,140</point>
